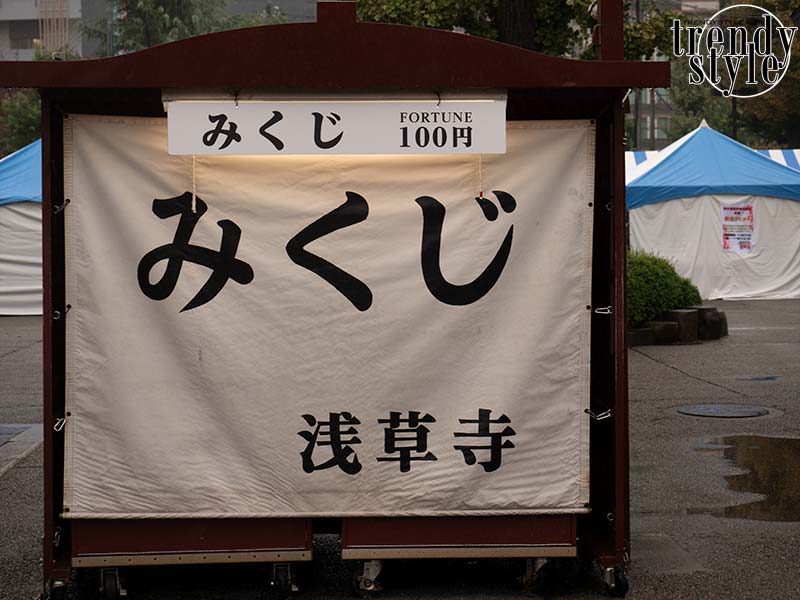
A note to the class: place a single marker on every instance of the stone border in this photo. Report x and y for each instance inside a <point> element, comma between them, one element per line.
<point>20,446</point>
<point>684,326</point>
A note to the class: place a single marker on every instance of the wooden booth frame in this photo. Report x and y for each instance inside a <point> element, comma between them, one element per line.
<point>338,55</point>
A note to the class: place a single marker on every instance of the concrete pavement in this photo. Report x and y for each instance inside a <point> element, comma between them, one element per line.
<point>684,545</point>
<point>21,457</point>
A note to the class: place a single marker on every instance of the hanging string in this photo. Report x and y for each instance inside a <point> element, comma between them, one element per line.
<point>194,185</point>
<point>480,175</point>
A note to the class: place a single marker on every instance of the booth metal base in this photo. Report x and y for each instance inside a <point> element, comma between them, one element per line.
<point>459,537</point>
<point>120,543</point>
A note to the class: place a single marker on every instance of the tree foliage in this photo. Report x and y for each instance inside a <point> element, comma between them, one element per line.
<point>144,23</point>
<point>19,120</point>
<point>776,114</point>
<point>137,24</point>
<point>693,103</point>
<point>544,25</point>
<point>470,15</point>
<point>559,27</point>
<point>649,37</point>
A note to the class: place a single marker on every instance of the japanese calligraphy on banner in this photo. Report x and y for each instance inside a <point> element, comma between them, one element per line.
<point>737,227</point>
<point>326,336</point>
<point>337,127</point>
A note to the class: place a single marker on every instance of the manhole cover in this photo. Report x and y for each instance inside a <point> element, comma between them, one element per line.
<point>723,411</point>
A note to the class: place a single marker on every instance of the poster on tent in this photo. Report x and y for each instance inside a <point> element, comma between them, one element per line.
<point>737,227</point>
<point>300,336</point>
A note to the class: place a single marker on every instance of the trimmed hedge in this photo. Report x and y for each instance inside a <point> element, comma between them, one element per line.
<point>654,287</point>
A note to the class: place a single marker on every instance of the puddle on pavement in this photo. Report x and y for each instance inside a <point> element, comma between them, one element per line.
<point>773,469</point>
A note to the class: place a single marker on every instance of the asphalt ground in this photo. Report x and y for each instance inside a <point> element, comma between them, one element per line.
<point>692,535</point>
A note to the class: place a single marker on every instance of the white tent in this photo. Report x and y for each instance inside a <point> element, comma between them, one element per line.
<point>21,232</point>
<point>789,158</point>
<point>727,216</point>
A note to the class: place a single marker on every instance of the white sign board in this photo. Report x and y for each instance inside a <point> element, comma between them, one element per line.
<point>337,127</point>
<point>737,227</point>
<point>326,336</point>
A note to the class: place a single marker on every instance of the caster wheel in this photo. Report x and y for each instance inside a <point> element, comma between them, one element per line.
<point>364,588</point>
<point>57,593</point>
<point>361,586</point>
<point>281,584</point>
<point>536,580</point>
<point>109,584</point>
<point>620,588</point>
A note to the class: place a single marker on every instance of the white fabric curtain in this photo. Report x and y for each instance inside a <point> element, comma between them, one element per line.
<point>213,411</point>
<point>21,258</point>
<point>689,232</point>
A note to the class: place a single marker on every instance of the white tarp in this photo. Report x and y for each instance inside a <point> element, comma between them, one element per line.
<point>21,258</point>
<point>215,410</point>
<point>690,232</point>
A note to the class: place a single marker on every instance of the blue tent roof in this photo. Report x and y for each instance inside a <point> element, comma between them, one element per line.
<point>21,175</point>
<point>707,162</point>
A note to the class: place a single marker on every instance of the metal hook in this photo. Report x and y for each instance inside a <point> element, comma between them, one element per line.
<point>604,310</point>
<point>603,415</point>
<point>59,424</point>
<point>60,207</point>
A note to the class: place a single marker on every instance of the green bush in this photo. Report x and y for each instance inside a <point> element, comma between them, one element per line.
<point>691,295</point>
<point>655,287</point>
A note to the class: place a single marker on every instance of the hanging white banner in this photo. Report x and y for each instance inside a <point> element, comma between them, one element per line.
<point>337,127</point>
<point>309,336</point>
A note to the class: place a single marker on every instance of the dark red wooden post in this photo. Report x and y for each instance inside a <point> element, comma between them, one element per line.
<point>55,549</point>
<point>612,47</point>
<point>611,14</point>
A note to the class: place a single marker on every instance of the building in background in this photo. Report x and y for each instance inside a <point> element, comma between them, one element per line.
<point>59,25</point>
<point>28,24</point>
<point>651,111</point>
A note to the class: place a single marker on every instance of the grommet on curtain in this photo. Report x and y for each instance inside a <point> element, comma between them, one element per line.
<point>57,314</point>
